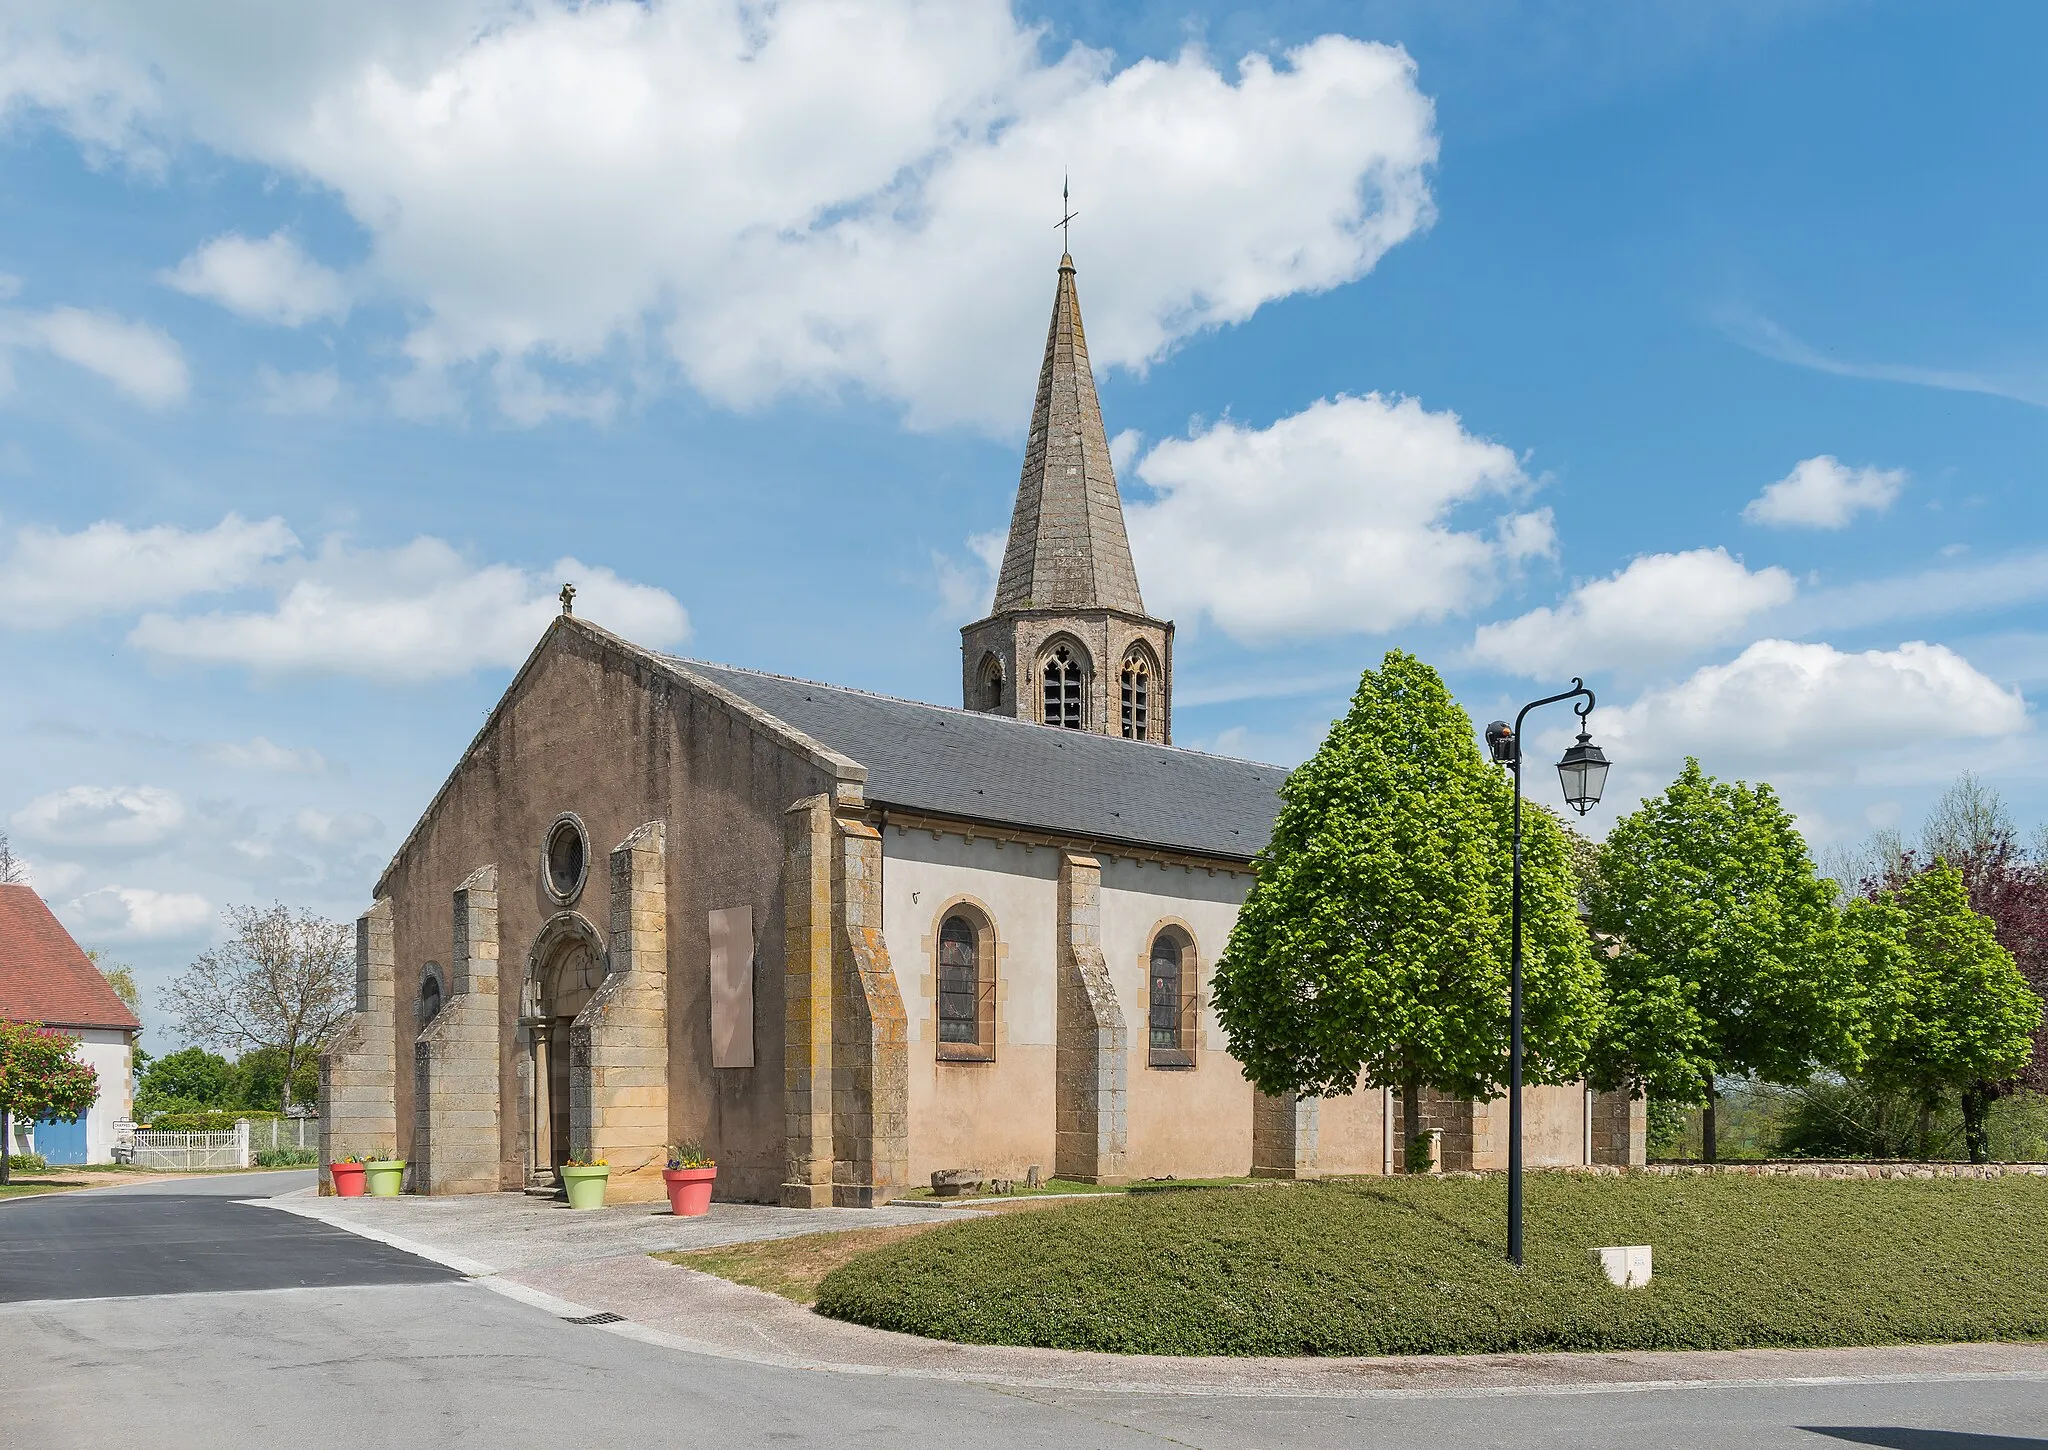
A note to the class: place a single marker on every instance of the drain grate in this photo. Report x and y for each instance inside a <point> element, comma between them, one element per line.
<point>605,1318</point>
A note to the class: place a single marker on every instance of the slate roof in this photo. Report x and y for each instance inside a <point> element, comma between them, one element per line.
<point>964,764</point>
<point>44,976</point>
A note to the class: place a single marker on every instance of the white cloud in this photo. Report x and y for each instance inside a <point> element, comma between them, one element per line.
<point>967,589</point>
<point>49,579</point>
<point>308,392</point>
<point>1821,493</point>
<point>115,819</point>
<point>142,361</point>
<point>798,197</point>
<point>417,612</point>
<point>136,913</point>
<point>270,280</point>
<point>1336,519</point>
<point>1661,607</point>
<point>260,754</point>
<point>1785,704</point>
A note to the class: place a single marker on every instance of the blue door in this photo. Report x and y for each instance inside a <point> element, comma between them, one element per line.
<point>61,1142</point>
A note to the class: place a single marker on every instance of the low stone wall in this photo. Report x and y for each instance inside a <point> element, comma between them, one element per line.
<point>1823,1168</point>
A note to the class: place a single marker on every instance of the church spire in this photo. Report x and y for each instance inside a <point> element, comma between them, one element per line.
<point>1067,642</point>
<point>1067,549</point>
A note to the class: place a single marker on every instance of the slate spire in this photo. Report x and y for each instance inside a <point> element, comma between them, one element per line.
<point>1068,548</point>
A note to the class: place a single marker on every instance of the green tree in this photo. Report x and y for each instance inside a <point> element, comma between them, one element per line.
<point>121,977</point>
<point>189,1075</point>
<point>1373,948</point>
<point>1949,1010</point>
<point>41,1079</point>
<point>259,1079</point>
<point>1724,952</point>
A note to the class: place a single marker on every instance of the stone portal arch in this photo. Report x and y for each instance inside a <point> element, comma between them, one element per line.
<point>564,968</point>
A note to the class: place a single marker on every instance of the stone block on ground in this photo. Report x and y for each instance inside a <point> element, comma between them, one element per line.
<point>1627,1267</point>
<point>952,1182</point>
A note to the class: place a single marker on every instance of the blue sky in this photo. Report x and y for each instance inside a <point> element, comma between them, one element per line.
<point>1697,350</point>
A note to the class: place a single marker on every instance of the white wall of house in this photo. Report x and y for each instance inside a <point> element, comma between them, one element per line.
<point>108,1052</point>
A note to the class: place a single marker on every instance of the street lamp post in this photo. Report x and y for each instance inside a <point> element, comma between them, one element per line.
<point>1583,774</point>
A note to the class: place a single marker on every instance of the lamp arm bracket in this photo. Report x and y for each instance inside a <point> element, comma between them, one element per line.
<point>1577,691</point>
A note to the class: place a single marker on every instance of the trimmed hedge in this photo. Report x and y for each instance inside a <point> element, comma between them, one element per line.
<point>1416,1266</point>
<point>204,1120</point>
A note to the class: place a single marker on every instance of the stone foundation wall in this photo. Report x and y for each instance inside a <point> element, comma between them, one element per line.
<point>359,1069</point>
<point>1804,1168</point>
<point>618,1045</point>
<point>455,1141</point>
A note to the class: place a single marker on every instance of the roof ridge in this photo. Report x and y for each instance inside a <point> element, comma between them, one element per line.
<point>1119,740</point>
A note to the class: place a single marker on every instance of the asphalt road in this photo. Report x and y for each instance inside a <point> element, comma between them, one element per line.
<point>416,1358</point>
<point>186,1236</point>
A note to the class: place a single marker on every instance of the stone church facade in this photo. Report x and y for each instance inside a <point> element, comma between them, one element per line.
<point>842,940</point>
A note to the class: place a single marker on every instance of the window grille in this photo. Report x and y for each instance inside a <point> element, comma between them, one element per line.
<point>1137,697</point>
<point>1063,690</point>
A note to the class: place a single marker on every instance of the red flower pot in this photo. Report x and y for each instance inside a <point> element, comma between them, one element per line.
<point>348,1179</point>
<point>689,1190</point>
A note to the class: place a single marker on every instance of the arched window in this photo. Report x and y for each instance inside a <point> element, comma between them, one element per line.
<point>1063,684</point>
<point>1136,681</point>
<point>430,996</point>
<point>967,988</point>
<point>1170,1022</point>
<point>991,683</point>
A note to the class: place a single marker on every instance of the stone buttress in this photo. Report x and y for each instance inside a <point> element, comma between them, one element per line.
<point>455,1142</point>
<point>1090,1098</point>
<point>618,1045</point>
<point>359,1067</point>
<point>845,1034</point>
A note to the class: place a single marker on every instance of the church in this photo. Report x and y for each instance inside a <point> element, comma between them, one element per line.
<point>845,941</point>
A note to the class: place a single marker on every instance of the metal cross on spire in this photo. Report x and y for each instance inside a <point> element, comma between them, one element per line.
<point>1069,214</point>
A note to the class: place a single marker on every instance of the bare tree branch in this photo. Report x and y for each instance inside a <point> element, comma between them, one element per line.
<point>282,980</point>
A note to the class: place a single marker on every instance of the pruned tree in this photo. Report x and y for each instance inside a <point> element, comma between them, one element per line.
<point>283,979</point>
<point>1725,950</point>
<point>1949,1010</point>
<point>41,1079</point>
<point>13,870</point>
<point>1373,948</point>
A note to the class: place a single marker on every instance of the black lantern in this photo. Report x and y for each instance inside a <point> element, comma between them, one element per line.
<point>1583,772</point>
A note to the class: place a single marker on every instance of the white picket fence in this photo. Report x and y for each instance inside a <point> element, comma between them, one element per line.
<point>153,1148</point>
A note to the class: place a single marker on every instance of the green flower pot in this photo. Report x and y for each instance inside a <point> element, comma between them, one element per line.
<point>585,1186</point>
<point>383,1176</point>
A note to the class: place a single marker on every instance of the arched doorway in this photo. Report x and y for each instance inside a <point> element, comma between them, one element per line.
<point>564,971</point>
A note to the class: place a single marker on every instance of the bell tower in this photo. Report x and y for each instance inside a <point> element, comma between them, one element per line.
<point>1067,642</point>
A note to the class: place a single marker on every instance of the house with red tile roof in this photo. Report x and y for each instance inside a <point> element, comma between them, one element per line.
<point>46,977</point>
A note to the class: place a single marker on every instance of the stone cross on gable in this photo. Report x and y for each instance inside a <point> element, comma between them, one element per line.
<point>568,598</point>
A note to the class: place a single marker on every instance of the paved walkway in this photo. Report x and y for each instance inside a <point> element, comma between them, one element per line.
<point>493,1233</point>
<point>578,1264</point>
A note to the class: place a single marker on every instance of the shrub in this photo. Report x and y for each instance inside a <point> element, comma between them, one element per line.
<point>203,1120</point>
<point>27,1162</point>
<point>1416,1266</point>
<point>287,1157</point>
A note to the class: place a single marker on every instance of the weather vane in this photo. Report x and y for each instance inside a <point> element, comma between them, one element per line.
<point>1070,214</point>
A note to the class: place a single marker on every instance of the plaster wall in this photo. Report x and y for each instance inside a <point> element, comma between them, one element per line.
<point>1192,1122</point>
<point>597,729</point>
<point>997,1116</point>
<point>111,1056</point>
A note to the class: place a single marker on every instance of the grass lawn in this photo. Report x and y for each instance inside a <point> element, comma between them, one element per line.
<point>1415,1266</point>
<point>21,1185</point>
